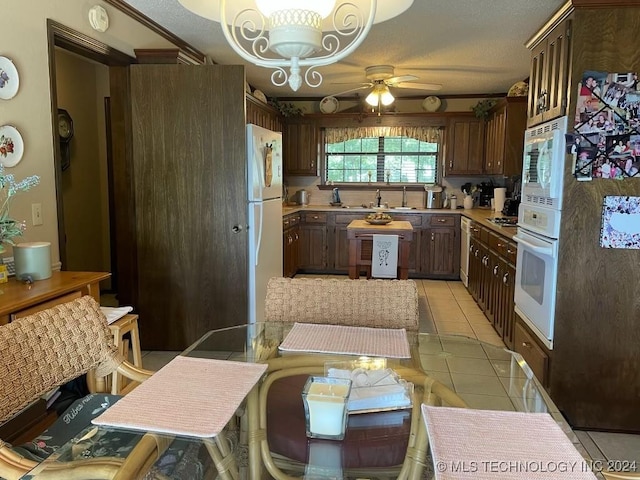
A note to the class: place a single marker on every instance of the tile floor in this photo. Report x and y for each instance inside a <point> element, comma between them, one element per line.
<point>447,308</point>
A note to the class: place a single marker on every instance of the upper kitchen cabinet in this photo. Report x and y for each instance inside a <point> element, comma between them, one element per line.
<point>301,142</point>
<point>464,146</point>
<point>550,64</point>
<point>504,137</point>
<point>263,115</point>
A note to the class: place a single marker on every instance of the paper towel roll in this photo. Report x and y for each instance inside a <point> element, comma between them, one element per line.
<point>32,259</point>
<point>499,195</point>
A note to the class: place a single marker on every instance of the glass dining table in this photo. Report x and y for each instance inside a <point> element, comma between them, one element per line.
<point>267,435</point>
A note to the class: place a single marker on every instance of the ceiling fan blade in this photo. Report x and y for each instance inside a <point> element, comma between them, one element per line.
<point>400,79</point>
<point>419,86</point>
<point>362,87</point>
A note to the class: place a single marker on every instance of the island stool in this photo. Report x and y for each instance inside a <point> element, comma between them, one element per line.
<point>121,327</point>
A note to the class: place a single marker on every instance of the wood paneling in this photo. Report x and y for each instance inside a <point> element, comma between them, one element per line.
<point>595,368</point>
<point>190,193</point>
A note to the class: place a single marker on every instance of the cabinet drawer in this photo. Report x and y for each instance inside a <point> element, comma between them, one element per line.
<point>444,220</point>
<point>498,244</point>
<point>415,220</point>
<point>317,217</point>
<point>479,232</point>
<point>532,353</point>
<point>347,218</point>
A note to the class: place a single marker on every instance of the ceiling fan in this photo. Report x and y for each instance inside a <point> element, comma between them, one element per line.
<point>381,77</point>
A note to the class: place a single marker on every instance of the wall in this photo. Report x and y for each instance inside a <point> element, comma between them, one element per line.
<point>81,88</point>
<point>23,37</point>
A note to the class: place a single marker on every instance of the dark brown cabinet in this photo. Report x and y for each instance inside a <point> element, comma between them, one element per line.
<point>549,74</point>
<point>291,244</point>
<point>439,253</point>
<point>262,114</point>
<point>504,137</point>
<point>313,242</point>
<point>492,279</point>
<point>301,142</point>
<point>464,146</point>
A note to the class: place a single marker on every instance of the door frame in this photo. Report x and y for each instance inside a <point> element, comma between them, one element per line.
<point>121,197</point>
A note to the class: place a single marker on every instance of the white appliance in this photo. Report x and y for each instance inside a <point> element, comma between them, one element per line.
<point>539,217</point>
<point>264,180</point>
<point>465,244</point>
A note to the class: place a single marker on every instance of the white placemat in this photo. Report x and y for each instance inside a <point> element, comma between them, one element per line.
<point>374,342</point>
<point>496,445</point>
<point>189,396</point>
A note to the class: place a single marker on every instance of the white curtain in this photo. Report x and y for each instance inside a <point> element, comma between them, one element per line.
<point>425,134</point>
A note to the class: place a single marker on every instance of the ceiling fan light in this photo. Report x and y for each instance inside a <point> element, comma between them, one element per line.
<point>386,98</point>
<point>372,98</point>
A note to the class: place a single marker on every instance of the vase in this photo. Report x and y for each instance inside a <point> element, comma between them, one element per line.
<point>467,202</point>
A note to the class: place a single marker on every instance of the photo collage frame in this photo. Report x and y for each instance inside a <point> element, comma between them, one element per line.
<point>606,138</point>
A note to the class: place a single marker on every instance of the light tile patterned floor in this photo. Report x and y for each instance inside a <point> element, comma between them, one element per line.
<point>447,308</point>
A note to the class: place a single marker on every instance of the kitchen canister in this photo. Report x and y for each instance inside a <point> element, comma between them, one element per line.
<point>453,202</point>
<point>32,260</point>
<point>467,202</point>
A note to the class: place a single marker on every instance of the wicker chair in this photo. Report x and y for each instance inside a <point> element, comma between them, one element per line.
<point>47,349</point>
<point>370,303</point>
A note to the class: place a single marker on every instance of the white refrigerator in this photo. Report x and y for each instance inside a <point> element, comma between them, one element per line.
<point>264,154</point>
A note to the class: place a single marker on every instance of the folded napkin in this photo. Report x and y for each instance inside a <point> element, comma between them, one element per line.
<point>115,313</point>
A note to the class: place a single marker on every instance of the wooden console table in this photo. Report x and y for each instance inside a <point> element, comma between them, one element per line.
<point>18,299</point>
<point>359,234</point>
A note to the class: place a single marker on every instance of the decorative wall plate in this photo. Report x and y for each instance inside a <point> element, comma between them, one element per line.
<point>259,95</point>
<point>11,146</point>
<point>431,104</point>
<point>329,105</point>
<point>9,80</point>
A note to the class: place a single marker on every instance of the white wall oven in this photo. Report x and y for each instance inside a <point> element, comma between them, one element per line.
<point>539,218</point>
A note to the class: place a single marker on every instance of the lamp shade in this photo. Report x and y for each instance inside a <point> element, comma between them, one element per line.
<point>380,95</point>
<point>321,7</point>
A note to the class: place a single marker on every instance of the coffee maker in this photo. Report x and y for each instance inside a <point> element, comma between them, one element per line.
<point>486,194</point>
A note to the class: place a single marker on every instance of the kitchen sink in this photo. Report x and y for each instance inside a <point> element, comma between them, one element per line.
<point>403,208</point>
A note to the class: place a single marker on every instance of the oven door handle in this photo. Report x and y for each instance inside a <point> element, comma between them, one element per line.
<point>542,249</point>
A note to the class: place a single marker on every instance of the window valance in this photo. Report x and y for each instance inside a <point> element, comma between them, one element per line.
<point>342,134</point>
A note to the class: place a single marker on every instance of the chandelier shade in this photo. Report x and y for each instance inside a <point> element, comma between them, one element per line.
<point>380,95</point>
<point>296,34</point>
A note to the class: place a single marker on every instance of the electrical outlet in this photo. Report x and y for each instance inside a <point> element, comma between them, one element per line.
<point>36,214</point>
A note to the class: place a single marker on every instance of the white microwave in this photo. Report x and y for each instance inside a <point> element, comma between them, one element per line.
<point>543,164</point>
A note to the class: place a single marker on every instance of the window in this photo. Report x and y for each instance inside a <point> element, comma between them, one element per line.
<point>392,158</point>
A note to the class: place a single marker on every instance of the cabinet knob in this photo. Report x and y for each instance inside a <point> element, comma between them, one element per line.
<point>442,220</point>
<point>476,253</point>
<point>499,245</point>
<point>509,250</point>
<point>526,344</point>
<point>471,249</point>
<point>505,278</point>
<point>236,229</point>
<point>495,270</point>
<point>433,236</point>
<point>297,236</point>
<point>315,217</point>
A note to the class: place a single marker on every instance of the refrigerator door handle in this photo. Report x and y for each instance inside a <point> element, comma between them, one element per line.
<point>259,222</point>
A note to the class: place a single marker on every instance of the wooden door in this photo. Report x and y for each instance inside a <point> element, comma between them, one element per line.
<point>301,147</point>
<point>558,50</point>
<point>190,201</point>
<point>313,247</point>
<point>465,146</point>
<point>538,85</point>
<point>440,252</point>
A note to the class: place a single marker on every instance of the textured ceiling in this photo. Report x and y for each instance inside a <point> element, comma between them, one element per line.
<point>468,46</point>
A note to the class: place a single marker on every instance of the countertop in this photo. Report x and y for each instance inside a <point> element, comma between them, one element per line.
<point>479,215</point>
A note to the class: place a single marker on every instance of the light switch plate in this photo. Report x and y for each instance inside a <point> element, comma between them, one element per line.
<point>36,214</point>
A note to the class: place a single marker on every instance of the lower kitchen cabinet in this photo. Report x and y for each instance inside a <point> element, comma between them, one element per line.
<point>440,247</point>
<point>492,279</point>
<point>313,242</point>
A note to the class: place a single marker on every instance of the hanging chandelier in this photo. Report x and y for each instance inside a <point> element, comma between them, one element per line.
<point>380,95</point>
<point>298,35</point>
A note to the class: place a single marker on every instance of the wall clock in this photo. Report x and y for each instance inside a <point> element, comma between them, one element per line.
<point>65,131</point>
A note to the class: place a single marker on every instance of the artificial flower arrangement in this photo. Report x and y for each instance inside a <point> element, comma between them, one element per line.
<point>10,228</point>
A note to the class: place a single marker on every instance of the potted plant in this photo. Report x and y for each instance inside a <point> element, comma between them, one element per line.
<point>9,227</point>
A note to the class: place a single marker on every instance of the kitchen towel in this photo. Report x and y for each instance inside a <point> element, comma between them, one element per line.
<point>384,256</point>
<point>115,313</point>
<point>499,195</point>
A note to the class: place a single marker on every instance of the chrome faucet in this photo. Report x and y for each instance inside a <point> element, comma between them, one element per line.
<point>404,196</point>
<point>378,197</point>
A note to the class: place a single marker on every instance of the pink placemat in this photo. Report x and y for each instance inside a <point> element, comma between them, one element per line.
<point>375,342</point>
<point>188,396</point>
<point>495,445</point>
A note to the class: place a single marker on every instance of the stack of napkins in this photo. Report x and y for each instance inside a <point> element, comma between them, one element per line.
<point>115,313</point>
<point>374,390</point>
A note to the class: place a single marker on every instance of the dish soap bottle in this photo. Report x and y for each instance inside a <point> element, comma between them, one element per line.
<point>335,197</point>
